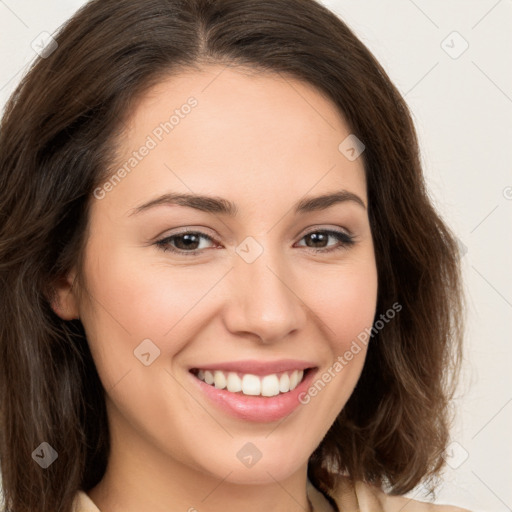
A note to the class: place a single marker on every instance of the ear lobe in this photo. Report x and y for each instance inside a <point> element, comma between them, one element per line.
<point>63,300</point>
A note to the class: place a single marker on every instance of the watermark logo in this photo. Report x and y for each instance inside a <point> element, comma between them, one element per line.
<point>249,250</point>
<point>351,147</point>
<point>249,455</point>
<point>44,45</point>
<point>462,248</point>
<point>455,455</point>
<point>44,455</point>
<point>146,352</point>
<point>454,45</point>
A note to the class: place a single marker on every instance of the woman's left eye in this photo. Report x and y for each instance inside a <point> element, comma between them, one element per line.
<point>189,242</point>
<point>320,236</point>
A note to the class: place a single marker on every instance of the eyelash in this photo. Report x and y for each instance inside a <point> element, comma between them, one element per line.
<point>345,241</point>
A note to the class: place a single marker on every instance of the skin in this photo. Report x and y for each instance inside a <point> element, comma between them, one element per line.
<point>264,142</point>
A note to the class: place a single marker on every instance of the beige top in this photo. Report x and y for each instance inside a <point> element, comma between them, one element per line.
<point>360,497</point>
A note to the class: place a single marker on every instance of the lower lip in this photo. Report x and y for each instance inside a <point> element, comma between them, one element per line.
<point>256,408</point>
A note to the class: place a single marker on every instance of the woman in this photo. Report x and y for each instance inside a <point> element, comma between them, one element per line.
<point>223,282</point>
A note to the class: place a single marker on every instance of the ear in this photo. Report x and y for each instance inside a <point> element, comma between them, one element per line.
<point>64,301</point>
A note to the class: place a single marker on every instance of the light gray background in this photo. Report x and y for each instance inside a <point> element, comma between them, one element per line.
<point>463,113</point>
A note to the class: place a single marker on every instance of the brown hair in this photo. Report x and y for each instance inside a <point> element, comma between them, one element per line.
<point>56,144</point>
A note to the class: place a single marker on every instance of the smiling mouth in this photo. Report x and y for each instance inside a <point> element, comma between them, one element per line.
<point>252,385</point>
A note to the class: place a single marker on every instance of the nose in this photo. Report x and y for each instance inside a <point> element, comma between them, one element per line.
<point>263,300</point>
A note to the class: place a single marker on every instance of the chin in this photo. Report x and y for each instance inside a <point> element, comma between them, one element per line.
<point>276,465</point>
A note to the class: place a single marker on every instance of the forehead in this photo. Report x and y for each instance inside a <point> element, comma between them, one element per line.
<point>223,129</point>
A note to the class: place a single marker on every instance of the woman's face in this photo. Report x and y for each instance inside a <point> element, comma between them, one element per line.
<point>258,293</point>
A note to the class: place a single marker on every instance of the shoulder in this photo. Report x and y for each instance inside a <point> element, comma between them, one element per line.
<point>363,497</point>
<point>82,503</point>
<point>358,497</point>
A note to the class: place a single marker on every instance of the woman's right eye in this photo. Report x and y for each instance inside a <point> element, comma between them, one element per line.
<point>187,242</point>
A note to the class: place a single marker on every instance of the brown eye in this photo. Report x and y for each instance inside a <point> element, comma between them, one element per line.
<point>318,240</point>
<point>184,243</point>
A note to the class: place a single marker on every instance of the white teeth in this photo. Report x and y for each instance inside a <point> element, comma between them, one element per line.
<point>284,383</point>
<point>270,385</point>
<point>234,382</point>
<point>219,380</point>
<point>295,378</point>
<point>252,385</point>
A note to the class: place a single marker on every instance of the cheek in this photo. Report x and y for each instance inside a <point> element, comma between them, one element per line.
<point>345,300</point>
<point>143,298</point>
<point>345,303</point>
<point>129,300</point>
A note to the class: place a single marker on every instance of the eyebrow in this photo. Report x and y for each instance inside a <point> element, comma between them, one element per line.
<point>215,204</point>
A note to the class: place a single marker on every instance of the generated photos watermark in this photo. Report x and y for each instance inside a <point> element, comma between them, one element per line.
<point>152,140</point>
<point>343,360</point>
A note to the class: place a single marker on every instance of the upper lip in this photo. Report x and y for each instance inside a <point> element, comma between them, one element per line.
<point>255,367</point>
